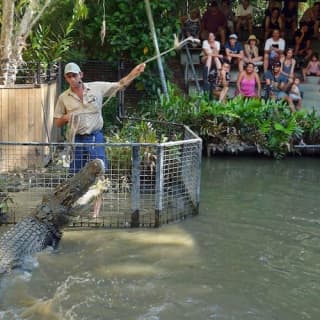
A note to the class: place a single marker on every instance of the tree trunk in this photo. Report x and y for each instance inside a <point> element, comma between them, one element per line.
<point>14,35</point>
<point>6,38</point>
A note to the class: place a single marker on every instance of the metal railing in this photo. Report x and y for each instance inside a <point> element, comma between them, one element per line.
<point>149,184</point>
<point>35,73</point>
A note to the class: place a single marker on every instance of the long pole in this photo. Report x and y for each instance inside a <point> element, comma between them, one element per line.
<point>155,42</point>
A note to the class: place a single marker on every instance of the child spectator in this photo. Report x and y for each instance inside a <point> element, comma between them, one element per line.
<point>234,50</point>
<point>295,93</point>
<point>313,67</point>
<point>251,51</point>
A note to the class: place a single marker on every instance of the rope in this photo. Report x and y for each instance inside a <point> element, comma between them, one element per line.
<point>188,12</point>
<point>103,25</point>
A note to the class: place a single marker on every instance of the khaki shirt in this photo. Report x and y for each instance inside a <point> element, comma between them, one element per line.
<point>88,112</point>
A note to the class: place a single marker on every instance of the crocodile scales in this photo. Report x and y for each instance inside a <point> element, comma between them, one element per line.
<point>43,227</point>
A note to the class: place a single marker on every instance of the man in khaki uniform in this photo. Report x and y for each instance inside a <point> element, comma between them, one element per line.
<point>80,107</point>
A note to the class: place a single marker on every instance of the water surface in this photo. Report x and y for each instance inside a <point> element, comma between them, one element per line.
<point>252,253</point>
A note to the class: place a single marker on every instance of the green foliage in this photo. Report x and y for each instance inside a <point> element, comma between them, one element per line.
<point>133,39</point>
<point>47,46</point>
<point>311,125</point>
<point>268,126</point>
<point>130,132</point>
<point>127,29</point>
<point>5,201</point>
<point>139,132</point>
<point>53,36</point>
<point>71,30</point>
<point>119,156</point>
<point>109,114</point>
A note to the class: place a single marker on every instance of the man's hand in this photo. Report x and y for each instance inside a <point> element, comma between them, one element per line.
<point>135,72</point>
<point>138,69</point>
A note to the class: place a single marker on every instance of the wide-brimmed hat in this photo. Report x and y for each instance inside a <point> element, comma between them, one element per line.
<point>253,37</point>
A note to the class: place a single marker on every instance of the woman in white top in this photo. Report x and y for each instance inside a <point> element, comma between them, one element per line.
<point>211,52</point>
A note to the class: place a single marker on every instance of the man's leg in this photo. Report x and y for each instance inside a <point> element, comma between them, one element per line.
<point>98,152</point>
<point>79,159</point>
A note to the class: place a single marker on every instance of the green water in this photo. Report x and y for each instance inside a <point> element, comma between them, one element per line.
<point>263,218</point>
<point>252,253</point>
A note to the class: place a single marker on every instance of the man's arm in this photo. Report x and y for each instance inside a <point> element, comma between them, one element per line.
<point>60,117</point>
<point>60,122</point>
<point>135,72</point>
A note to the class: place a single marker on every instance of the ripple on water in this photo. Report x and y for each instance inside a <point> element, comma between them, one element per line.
<point>252,253</point>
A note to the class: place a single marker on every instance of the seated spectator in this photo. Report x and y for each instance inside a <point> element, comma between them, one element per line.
<point>289,15</point>
<point>273,49</point>
<point>219,80</point>
<point>244,16</point>
<point>225,7</point>
<point>251,51</point>
<point>273,22</point>
<point>248,82</point>
<point>311,17</point>
<point>302,42</point>
<point>295,93</point>
<point>288,64</point>
<point>191,24</point>
<point>276,84</point>
<point>210,55</point>
<point>214,21</point>
<point>234,51</point>
<point>272,4</point>
<point>313,67</point>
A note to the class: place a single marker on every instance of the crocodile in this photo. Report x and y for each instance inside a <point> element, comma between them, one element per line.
<point>43,227</point>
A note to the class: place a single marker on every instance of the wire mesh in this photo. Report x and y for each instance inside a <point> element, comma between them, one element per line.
<point>35,73</point>
<point>148,184</point>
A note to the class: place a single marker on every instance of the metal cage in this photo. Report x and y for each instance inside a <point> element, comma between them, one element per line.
<point>149,184</point>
